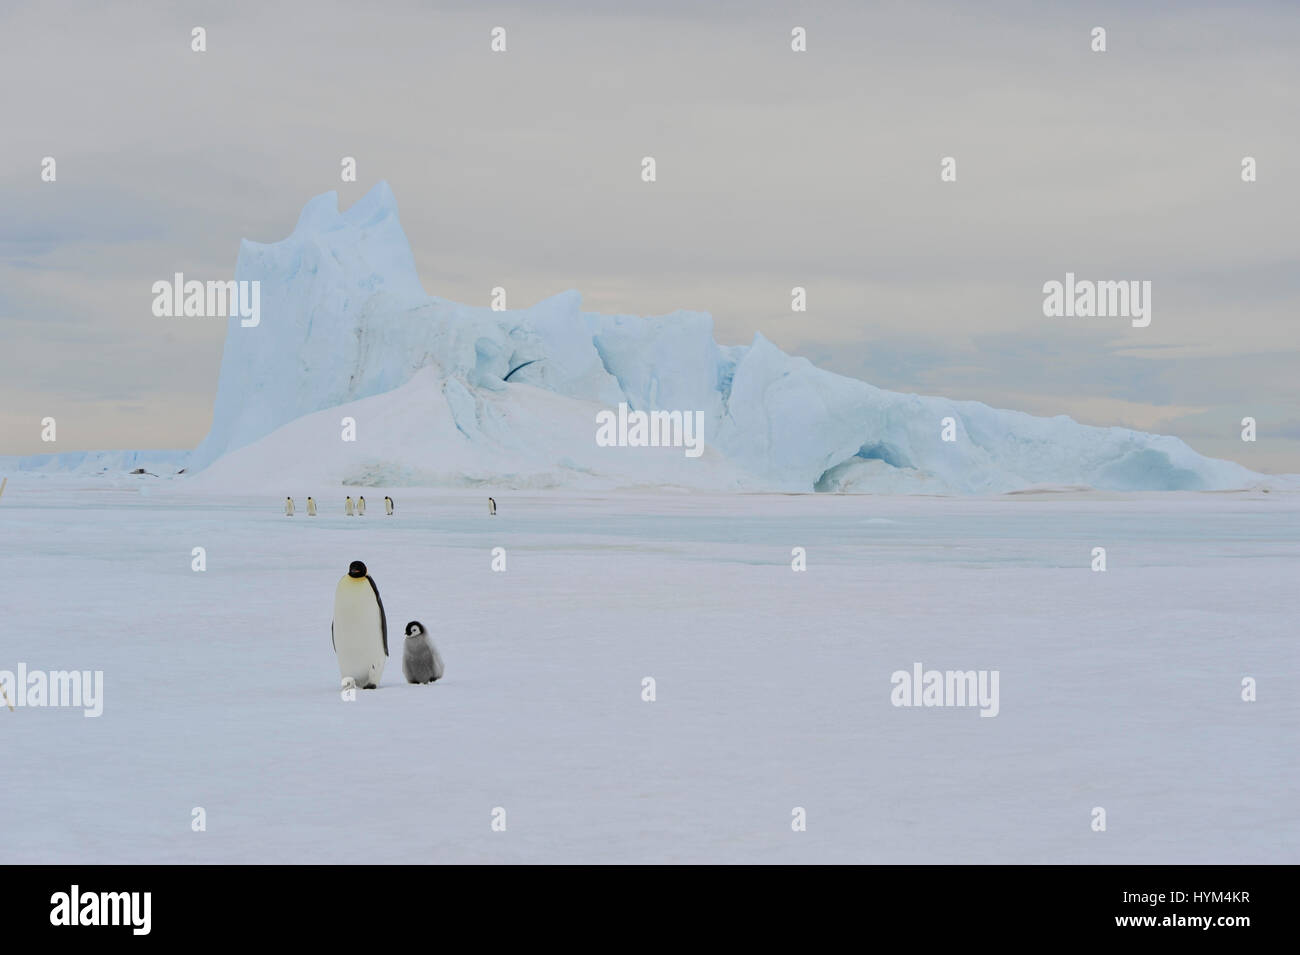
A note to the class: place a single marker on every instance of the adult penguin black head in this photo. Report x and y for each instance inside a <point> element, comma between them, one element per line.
<point>356,569</point>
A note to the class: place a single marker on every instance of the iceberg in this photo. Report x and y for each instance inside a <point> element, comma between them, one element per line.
<point>451,394</point>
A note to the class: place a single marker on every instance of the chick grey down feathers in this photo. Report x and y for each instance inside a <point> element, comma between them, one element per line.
<point>420,660</point>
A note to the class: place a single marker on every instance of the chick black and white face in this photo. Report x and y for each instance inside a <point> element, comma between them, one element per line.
<point>414,629</point>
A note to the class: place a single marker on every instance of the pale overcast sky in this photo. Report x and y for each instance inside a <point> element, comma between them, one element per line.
<point>775,169</point>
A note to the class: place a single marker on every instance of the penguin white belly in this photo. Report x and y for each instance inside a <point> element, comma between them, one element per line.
<point>358,632</point>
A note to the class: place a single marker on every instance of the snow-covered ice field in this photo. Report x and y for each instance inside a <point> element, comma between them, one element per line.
<point>1119,689</point>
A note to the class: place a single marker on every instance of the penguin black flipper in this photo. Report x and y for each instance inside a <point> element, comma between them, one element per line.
<point>336,649</point>
<point>383,617</point>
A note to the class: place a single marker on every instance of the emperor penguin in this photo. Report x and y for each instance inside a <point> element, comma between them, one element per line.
<point>420,660</point>
<point>288,506</point>
<point>311,507</point>
<point>361,507</point>
<point>388,505</point>
<point>347,506</point>
<point>492,507</point>
<point>359,631</point>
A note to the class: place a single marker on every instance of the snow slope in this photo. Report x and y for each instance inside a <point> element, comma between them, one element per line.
<point>344,320</point>
<point>439,432</point>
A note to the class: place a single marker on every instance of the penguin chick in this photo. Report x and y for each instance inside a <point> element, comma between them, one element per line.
<point>420,660</point>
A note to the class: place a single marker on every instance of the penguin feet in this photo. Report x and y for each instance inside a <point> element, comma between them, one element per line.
<point>370,686</point>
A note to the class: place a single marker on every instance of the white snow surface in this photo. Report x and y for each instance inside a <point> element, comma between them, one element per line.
<point>1119,689</point>
<point>347,327</point>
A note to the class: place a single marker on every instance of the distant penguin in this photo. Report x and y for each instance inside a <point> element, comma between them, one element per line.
<point>361,507</point>
<point>359,631</point>
<point>311,507</point>
<point>388,506</point>
<point>492,507</point>
<point>348,506</point>
<point>288,506</point>
<point>420,660</point>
